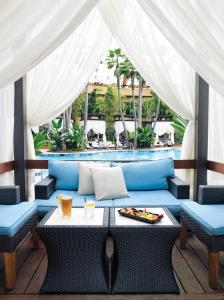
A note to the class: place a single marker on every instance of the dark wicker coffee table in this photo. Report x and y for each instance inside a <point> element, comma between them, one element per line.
<point>77,260</point>
<point>142,261</point>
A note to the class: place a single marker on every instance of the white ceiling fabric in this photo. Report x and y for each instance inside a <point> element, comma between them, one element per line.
<point>195,28</point>
<point>32,29</point>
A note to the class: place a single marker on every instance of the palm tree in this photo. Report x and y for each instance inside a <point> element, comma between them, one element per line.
<point>155,97</point>
<point>129,71</point>
<point>85,114</point>
<point>113,60</point>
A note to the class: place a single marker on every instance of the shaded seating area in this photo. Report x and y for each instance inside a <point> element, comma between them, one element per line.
<point>49,51</point>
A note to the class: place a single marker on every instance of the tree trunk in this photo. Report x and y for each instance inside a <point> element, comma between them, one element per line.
<point>157,114</point>
<point>140,88</point>
<point>121,109</point>
<point>67,114</point>
<point>85,115</point>
<point>134,109</point>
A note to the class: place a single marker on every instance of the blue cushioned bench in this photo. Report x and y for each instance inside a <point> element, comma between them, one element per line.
<point>151,183</point>
<point>16,220</point>
<point>206,221</point>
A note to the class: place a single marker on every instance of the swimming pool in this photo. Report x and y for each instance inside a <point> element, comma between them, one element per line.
<point>116,155</point>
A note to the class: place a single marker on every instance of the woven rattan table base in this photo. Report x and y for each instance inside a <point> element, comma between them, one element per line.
<point>77,260</point>
<point>142,261</point>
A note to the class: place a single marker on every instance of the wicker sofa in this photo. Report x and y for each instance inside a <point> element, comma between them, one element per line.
<point>151,183</point>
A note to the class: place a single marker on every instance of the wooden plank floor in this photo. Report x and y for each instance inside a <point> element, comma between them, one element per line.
<point>190,268</point>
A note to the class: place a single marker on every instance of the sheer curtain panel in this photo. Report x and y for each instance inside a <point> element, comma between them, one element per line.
<point>6,131</point>
<point>30,30</point>
<point>55,83</point>
<point>163,68</point>
<point>195,28</point>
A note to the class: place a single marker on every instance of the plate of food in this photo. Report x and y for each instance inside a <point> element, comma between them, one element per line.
<point>141,215</point>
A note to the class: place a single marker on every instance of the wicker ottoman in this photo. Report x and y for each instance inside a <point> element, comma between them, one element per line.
<point>142,261</point>
<point>77,260</point>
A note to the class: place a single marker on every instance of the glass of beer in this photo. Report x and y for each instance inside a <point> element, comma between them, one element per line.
<point>66,206</point>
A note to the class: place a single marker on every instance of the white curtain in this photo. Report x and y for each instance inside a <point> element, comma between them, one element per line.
<point>54,84</point>
<point>216,130</point>
<point>163,68</point>
<point>6,131</point>
<point>195,28</point>
<point>30,30</point>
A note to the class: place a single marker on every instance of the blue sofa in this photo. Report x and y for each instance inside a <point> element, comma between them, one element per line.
<point>151,183</point>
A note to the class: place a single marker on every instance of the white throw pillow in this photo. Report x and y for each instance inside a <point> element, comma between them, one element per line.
<point>86,186</point>
<point>109,183</point>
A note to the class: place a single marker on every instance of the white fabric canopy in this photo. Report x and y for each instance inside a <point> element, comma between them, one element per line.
<point>6,131</point>
<point>32,29</point>
<point>98,126</point>
<point>167,41</point>
<point>54,84</point>
<point>119,128</point>
<point>195,28</point>
<point>164,127</point>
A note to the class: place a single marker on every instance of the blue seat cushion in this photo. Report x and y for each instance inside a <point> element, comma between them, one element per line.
<point>145,176</point>
<point>13,217</point>
<point>210,217</point>
<point>151,198</point>
<point>78,201</point>
<point>66,174</point>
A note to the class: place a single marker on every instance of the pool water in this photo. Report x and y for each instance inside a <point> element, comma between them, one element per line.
<point>116,155</point>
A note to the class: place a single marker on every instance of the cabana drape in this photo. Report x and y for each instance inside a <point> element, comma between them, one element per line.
<point>30,30</point>
<point>162,41</point>
<point>6,130</point>
<point>163,68</point>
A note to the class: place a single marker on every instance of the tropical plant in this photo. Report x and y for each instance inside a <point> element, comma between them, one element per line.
<point>128,71</point>
<point>180,126</point>
<point>54,135</point>
<point>73,138</point>
<point>113,60</point>
<point>145,137</point>
<point>39,140</point>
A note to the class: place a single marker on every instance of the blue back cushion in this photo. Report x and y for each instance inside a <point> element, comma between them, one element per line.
<point>66,174</point>
<point>145,176</point>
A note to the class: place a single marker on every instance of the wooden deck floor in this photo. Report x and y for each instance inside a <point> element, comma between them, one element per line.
<point>190,267</point>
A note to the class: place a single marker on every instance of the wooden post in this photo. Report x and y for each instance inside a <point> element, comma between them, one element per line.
<point>10,269</point>
<point>183,235</point>
<point>213,269</point>
<point>201,132</point>
<point>20,131</point>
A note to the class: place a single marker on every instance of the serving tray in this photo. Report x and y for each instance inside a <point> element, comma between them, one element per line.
<point>142,219</point>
